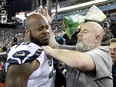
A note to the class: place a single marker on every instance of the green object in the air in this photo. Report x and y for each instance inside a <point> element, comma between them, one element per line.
<point>72,23</point>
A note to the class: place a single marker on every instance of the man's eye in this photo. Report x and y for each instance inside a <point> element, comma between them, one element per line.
<point>42,27</point>
<point>84,31</point>
<point>115,49</point>
<point>47,27</point>
<point>109,50</point>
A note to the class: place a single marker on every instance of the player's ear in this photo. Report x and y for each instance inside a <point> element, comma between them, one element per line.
<point>27,32</point>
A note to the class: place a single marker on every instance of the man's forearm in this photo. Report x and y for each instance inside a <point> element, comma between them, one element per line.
<point>67,47</point>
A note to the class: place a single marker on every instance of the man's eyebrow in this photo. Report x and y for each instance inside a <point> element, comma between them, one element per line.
<point>84,30</point>
<point>40,26</point>
<point>36,26</point>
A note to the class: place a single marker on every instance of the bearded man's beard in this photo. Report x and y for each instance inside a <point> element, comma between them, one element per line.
<point>83,47</point>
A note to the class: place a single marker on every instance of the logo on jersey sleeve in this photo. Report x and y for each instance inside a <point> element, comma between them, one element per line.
<point>21,54</point>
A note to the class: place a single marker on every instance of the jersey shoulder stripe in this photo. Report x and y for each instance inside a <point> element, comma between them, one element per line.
<point>24,53</point>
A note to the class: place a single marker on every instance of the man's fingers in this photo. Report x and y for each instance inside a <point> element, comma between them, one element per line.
<point>46,10</point>
<point>41,10</point>
<point>52,16</point>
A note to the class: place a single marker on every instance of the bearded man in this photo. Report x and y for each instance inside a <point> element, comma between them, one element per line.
<point>90,65</point>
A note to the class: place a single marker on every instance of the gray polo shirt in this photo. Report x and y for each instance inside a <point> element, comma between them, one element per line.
<point>102,77</point>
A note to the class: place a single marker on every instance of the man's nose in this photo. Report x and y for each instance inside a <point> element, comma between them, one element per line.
<point>111,51</point>
<point>45,30</point>
<point>79,34</point>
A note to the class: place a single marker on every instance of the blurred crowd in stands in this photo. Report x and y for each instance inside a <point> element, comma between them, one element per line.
<point>8,35</point>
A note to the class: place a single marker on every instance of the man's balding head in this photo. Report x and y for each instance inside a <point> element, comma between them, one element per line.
<point>95,27</point>
<point>34,20</point>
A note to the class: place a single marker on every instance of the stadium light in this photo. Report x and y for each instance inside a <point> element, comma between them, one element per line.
<point>78,6</point>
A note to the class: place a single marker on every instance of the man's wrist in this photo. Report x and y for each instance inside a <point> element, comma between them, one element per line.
<point>61,47</point>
